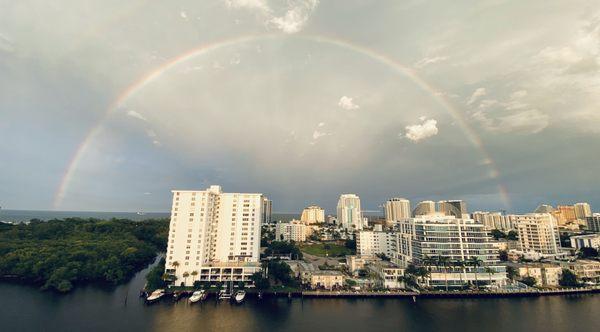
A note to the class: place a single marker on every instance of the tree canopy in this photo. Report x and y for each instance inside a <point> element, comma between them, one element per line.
<point>60,254</point>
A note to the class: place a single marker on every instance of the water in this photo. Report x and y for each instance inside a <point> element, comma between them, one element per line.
<point>18,216</point>
<point>89,309</point>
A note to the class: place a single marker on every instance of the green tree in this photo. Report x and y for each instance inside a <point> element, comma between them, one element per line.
<point>529,281</point>
<point>261,283</point>
<point>588,252</point>
<point>568,279</point>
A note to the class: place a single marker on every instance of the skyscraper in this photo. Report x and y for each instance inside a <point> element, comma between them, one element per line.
<point>424,208</point>
<point>457,208</point>
<point>397,209</point>
<point>267,210</point>
<point>313,214</point>
<point>349,215</point>
<point>214,229</point>
<point>582,211</point>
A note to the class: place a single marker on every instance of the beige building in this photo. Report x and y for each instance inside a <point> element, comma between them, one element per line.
<point>397,209</point>
<point>586,240</point>
<point>545,275</point>
<point>424,208</point>
<point>373,243</point>
<point>293,230</point>
<point>586,270</point>
<point>582,211</point>
<point>313,215</point>
<point>565,214</point>
<point>538,232</point>
<point>493,220</point>
<point>214,232</point>
<point>328,279</point>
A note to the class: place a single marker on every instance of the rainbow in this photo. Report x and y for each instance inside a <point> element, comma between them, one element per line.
<point>383,59</point>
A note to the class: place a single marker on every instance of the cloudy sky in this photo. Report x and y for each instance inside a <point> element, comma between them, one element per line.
<point>108,105</point>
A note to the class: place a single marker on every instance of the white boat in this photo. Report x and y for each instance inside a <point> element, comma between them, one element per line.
<point>198,296</point>
<point>239,296</point>
<point>157,294</point>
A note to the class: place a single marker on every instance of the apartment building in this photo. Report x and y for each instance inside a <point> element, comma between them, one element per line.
<point>293,230</point>
<point>538,232</point>
<point>214,233</point>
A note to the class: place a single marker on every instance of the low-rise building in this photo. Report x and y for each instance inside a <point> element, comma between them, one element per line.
<point>586,270</point>
<point>292,231</point>
<point>327,279</point>
<point>389,275</point>
<point>355,263</point>
<point>545,275</point>
<point>586,240</point>
<point>302,270</point>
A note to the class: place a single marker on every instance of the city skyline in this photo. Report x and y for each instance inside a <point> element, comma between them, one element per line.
<point>107,106</point>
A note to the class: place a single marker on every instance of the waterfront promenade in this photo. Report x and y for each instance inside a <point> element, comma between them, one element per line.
<point>449,294</point>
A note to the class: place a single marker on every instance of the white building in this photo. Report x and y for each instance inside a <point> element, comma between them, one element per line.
<point>493,220</point>
<point>313,215</point>
<point>267,210</point>
<point>294,230</point>
<point>593,223</point>
<point>215,234</point>
<point>448,246</point>
<point>397,209</point>
<point>349,214</point>
<point>372,243</point>
<point>582,211</point>
<point>538,232</point>
<point>587,240</point>
<point>389,275</point>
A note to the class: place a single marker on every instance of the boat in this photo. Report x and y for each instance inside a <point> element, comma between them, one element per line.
<point>156,295</point>
<point>198,296</point>
<point>239,296</point>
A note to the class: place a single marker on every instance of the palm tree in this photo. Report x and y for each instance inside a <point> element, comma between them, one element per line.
<point>489,271</point>
<point>429,262</point>
<point>475,262</point>
<point>194,274</point>
<point>460,264</point>
<point>185,275</point>
<point>444,262</point>
<point>175,265</point>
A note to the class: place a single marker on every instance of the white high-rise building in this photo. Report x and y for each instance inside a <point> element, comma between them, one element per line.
<point>582,211</point>
<point>313,215</point>
<point>349,214</point>
<point>397,209</point>
<point>267,210</point>
<point>376,242</point>
<point>538,232</point>
<point>215,234</point>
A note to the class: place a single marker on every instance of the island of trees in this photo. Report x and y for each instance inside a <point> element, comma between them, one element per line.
<point>61,254</point>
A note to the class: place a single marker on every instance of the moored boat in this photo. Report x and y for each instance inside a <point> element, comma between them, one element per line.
<point>155,296</point>
<point>239,296</point>
<point>198,296</point>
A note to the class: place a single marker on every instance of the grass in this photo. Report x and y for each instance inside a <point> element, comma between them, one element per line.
<point>326,249</point>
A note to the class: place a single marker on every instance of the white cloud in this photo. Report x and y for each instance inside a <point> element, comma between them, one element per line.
<point>321,124</point>
<point>318,134</point>
<point>136,115</point>
<point>6,44</point>
<point>417,132</point>
<point>429,61</point>
<point>293,18</point>
<point>347,103</point>
<point>183,15</point>
<point>147,193</point>
<point>479,92</point>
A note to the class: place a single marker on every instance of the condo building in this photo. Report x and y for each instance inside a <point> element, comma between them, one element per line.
<point>397,209</point>
<point>267,211</point>
<point>372,243</point>
<point>538,232</point>
<point>349,214</point>
<point>424,208</point>
<point>313,215</point>
<point>294,230</point>
<point>456,208</point>
<point>582,211</point>
<point>449,246</point>
<point>586,240</point>
<point>215,234</point>
<point>593,223</point>
<point>493,220</point>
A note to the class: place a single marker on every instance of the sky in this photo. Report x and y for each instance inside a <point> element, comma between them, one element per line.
<point>108,105</point>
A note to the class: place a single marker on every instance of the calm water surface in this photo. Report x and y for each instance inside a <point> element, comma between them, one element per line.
<point>25,308</point>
